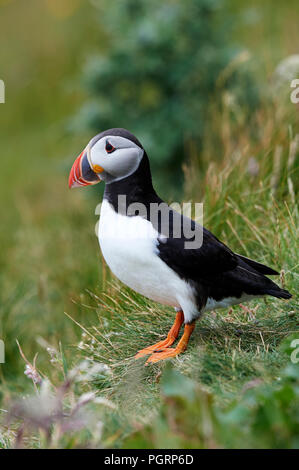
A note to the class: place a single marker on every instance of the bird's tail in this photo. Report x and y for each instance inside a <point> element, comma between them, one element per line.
<point>255,282</point>
<point>279,293</point>
<point>259,267</point>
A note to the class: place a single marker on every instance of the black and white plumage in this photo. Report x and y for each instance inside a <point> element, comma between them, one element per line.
<point>141,256</point>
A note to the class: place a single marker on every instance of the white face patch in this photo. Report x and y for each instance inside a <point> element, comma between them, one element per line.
<point>120,163</point>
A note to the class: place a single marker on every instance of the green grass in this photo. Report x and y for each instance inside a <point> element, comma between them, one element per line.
<point>229,349</point>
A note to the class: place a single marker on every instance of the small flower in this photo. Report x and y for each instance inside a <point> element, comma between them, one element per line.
<point>30,369</point>
<point>32,374</point>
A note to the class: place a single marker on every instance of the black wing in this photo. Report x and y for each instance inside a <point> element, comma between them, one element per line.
<point>217,271</point>
<point>212,257</point>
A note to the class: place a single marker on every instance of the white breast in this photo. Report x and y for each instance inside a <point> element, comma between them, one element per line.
<point>129,246</point>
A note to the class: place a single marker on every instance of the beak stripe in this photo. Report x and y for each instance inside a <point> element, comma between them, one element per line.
<point>82,172</point>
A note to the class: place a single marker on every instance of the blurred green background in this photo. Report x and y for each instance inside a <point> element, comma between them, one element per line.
<point>73,68</point>
<point>44,45</point>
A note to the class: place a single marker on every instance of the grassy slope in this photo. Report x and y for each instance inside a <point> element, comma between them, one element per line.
<point>256,216</point>
<point>48,256</point>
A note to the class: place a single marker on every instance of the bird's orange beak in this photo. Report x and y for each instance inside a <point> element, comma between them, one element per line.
<point>82,173</point>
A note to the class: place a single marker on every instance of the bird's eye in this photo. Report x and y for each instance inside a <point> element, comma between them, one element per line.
<point>109,148</point>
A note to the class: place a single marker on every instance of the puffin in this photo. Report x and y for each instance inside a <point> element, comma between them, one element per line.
<point>144,243</point>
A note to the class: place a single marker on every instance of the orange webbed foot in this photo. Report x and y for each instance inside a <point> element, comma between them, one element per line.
<point>172,352</point>
<point>160,355</point>
<point>171,337</point>
<point>155,347</point>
